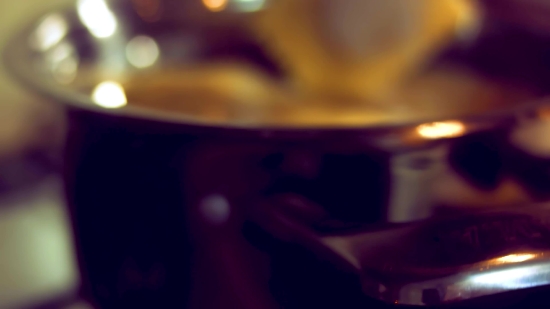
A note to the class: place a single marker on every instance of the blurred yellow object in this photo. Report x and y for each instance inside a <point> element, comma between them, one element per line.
<point>437,130</point>
<point>363,49</point>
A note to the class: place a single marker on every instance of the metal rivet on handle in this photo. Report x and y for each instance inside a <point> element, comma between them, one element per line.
<point>215,209</point>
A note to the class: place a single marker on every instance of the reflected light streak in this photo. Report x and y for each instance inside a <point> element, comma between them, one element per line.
<point>97,17</point>
<point>109,94</point>
<point>512,278</point>
<point>515,258</point>
<point>50,32</point>
<point>215,5</point>
<point>438,130</point>
<point>142,51</point>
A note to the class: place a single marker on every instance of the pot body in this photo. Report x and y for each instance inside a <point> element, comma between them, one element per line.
<point>171,216</point>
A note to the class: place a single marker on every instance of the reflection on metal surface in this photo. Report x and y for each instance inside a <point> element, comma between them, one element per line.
<point>109,95</point>
<point>438,130</point>
<point>414,176</point>
<point>215,5</point>
<point>97,17</point>
<point>424,264</point>
<point>515,258</point>
<point>64,63</point>
<point>215,209</point>
<point>142,51</point>
<point>473,284</point>
<point>510,278</point>
<point>249,5</point>
<point>50,32</point>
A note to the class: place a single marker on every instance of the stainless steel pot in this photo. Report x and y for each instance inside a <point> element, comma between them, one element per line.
<point>246,210</point>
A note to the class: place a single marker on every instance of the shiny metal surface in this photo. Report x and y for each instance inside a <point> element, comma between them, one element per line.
<point>436,262</point>
<point>453,136</point>
<point>491,280</point>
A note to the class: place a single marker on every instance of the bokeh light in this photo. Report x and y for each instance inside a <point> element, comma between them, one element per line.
<point>97,17</point>
<point>437,130</point>
<point>50,32</point>
<point>142,51</point>
<point>215,5</point>
<point>109,94</point>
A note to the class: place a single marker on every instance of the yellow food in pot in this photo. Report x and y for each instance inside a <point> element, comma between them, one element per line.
<point>355,48</point>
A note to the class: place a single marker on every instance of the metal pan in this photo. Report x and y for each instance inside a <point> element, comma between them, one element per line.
<point>197,176</point>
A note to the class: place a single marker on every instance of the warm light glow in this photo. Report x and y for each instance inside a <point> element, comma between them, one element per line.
<point>109,95</point>
<point>97,17</point>
<point>544,113</point>
<point>515,258</point>
<point>50,32</point>
<point>215,5</point>
<point>249,5</point>
<point>468,18</point>
<point>438,130</point>
<point>142,51</point>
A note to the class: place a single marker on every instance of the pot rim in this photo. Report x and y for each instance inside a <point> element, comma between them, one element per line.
<point>17,56</point>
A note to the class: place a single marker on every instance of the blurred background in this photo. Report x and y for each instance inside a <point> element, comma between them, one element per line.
<point>36,257</point>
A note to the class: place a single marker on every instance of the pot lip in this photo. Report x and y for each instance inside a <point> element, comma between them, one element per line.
<point>15,57</point>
